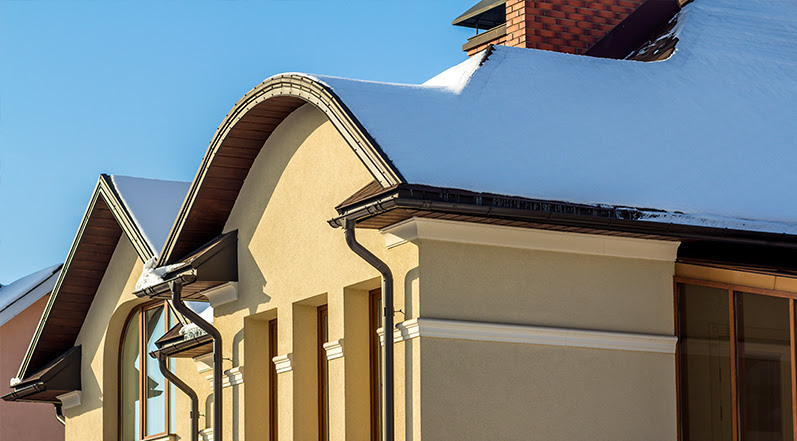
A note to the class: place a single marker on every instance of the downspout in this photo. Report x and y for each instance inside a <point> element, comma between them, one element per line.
<point>59,413</point>
<point>387,317</point>
<point>187,390</point>
<point>176,287</point>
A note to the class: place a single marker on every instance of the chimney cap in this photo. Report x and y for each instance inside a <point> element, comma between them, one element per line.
<point>486,14</point>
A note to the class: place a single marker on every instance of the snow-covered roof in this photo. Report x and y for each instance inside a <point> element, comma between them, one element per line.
<point>20,294</point>
<point>708,135</point>
<point>152,203</point>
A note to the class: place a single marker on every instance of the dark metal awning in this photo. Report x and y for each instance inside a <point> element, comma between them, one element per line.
<point>486,14</point>
<point>60,376</point>
<point>175,344</point>
<point>214,263</point>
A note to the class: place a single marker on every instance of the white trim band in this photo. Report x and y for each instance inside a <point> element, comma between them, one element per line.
<point>528,238</point>
<point>230,377</point>
<point>283,363</point>
<point>537,335</point>
<point>69,399</point>
<point>222,294</point>
<point>334,349</point>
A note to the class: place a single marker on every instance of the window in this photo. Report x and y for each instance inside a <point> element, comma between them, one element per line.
<point>272,381</point>
<point>736,362</point>
<point>375,349</point>
<point>145,395</point>
<point>323,374</point>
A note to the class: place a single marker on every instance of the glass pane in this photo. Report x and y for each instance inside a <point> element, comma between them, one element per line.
<point>131,407</point>
<point>705,363</point>
<point>764,367</point>
<point>155,386</point>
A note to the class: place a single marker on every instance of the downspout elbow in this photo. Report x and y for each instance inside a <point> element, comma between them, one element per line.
<point>176,287</point>
<point>59,413</point>
<point>186,390</point>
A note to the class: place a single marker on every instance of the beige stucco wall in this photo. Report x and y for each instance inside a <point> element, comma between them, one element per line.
<point>474,390</point>
<point>96,417</point>
<point>290,262</point>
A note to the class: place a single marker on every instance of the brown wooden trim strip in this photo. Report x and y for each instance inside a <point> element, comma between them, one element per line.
<point>734,378</point>
<point>729,286</point>
<point>272,381</point>
<point>793,353</point>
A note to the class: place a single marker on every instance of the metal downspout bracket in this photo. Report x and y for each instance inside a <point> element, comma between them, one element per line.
<point>187,390</point>
<point>59,413</point>
<point>387,317</point>
<point>176,287</point>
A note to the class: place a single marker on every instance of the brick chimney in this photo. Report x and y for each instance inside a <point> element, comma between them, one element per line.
<point>570,26</point>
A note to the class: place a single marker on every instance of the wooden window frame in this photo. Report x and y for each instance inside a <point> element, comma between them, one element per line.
<point>323,374</point>
<point>141,311</point>
<point>374,349</point>
<point>733,324</point>
<point>272,380</point>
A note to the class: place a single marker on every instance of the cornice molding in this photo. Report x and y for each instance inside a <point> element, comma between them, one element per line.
<point>222,294</point>
<point>70,399</point>
<point>533,335</point>
<point>528,238</point>
<point>334,349</point>
<point>283,363</point>
<point>230,377</point>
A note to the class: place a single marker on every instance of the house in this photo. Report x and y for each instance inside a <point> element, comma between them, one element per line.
<point>566,243</point>
<point>21,305</point>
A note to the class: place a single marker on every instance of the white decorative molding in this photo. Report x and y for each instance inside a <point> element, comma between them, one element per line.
<point>528,238</point>
<point>222,294</point>
<point>334,349</point>
<point>69,399</point>
<point>206,434</point>
<point>537,335</point>
<point>230,377</point>
<point>204,362</point>
<point>283,363</point>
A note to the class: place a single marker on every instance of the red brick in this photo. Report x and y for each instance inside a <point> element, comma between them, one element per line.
<point>567,9</point>
<point>586,38</point>
<point>597,6</point>
<point>605,14</point>
<point>565,36</point>
<point>627,4</point>
<point>604,27</point>
<point>557,14</point>
<point>598,20</point>
<point>545,33</point>
<point>577,17</point>
<point>575,30</point>
<point>576,3</point>
<point>584,25</point>
<point>585,12</point>
<point>543,5</point>
<point>545,46</point>
<point>564,22</point>
<point>546,20</point>
<point>555,28</point>
<point>619,9</point>
<point>567,50</point>
<point>557,41</point>
<point>535,39</point>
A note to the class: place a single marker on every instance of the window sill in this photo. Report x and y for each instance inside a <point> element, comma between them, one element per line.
<point>168,437</point>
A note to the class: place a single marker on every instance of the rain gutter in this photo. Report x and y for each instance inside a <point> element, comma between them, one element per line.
<point>620,219</point>
<point>176,286</point>
<point>31,389</point>
<point>387,317</point>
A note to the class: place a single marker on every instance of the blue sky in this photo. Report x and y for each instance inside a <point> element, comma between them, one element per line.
<point>138,88</point>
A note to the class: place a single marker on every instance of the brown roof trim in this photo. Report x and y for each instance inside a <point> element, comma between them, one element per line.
<point>238,141</point>
<point>404,201</point>
<point>103,223</point>
<point>60,376</point>
<point>172,344</point>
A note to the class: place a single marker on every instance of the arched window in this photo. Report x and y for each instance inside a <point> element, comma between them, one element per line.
<point>144,394</point>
